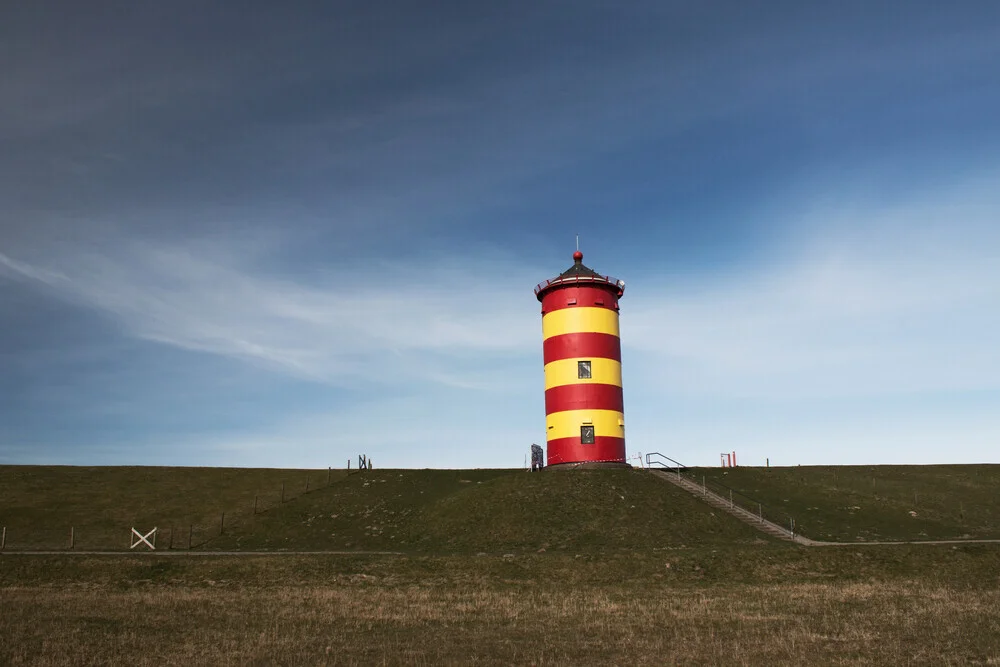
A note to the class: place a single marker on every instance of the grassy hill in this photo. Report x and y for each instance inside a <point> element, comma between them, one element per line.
<point>472,511</point>
<point>426,511</point>
<point>868,503</point>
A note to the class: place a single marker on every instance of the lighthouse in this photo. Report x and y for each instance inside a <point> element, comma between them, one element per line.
<point>584,410</point>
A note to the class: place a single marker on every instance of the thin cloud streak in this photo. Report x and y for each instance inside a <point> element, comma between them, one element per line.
<point>338,330</point>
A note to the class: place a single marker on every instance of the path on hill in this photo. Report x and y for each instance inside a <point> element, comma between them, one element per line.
<point>804,541</point>
<point>773,529</point>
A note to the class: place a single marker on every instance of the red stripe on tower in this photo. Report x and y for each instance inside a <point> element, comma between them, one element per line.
<point>567,346</point>
<point>571,450</point>
<point>582,295</point>
<point>584,397</point>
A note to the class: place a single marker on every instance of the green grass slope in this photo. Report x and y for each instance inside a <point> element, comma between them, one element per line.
<point>419,511</point>
<point>39,504</point>
<point>466,511</point>
<point>869,503</point>
<point>472,511</point>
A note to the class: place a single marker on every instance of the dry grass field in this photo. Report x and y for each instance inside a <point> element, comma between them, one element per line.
<point>538,610</point>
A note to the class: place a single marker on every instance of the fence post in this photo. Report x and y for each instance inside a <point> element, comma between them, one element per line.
<point>704,488</point>
<point>222,524</point>
<point>328,471</point>
<point>307,485</point>
<point>791,526</point>
<point>72,536</point>
<point>760,513</point>
<point>282,492</point>
<point>170,545</point>
<point>255,505</point>
<point>3,538</point>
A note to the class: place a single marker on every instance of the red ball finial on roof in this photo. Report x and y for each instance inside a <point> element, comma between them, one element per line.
<point>577,256</point>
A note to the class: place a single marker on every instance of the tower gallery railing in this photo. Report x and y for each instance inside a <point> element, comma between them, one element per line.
<point>734,497</point>
<point>576,280</point>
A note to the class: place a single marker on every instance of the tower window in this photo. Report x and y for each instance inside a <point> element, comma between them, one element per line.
<point>583,370</point>
<point>586,435</point>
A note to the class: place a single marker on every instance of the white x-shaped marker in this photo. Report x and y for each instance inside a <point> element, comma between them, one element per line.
<point>142,539</point>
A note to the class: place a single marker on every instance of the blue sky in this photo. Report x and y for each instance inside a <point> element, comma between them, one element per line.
<point>285,235</point>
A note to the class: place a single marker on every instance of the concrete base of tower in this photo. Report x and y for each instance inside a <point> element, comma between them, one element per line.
<point>587,465</point>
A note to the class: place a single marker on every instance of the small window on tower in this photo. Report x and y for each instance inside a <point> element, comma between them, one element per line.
<point>586,435</point>
<point>583,370</point>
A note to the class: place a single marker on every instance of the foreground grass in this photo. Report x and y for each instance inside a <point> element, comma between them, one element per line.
<point>764,604</point>
<point>870,503</point>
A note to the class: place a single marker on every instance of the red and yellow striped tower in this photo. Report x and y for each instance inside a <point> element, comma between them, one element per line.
<point>584,411</point>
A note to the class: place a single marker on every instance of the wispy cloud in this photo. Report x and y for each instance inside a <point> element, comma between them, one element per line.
<point>338,327</point>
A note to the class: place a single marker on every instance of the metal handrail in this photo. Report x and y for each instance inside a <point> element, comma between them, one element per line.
<point>650,462</point>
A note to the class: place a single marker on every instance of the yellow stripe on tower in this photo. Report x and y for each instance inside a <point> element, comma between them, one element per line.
<point>566,371</point>
<point>580,320</point>
<point>567,424</point>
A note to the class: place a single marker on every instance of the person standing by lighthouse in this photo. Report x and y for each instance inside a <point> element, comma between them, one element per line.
<point>584,406</point>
